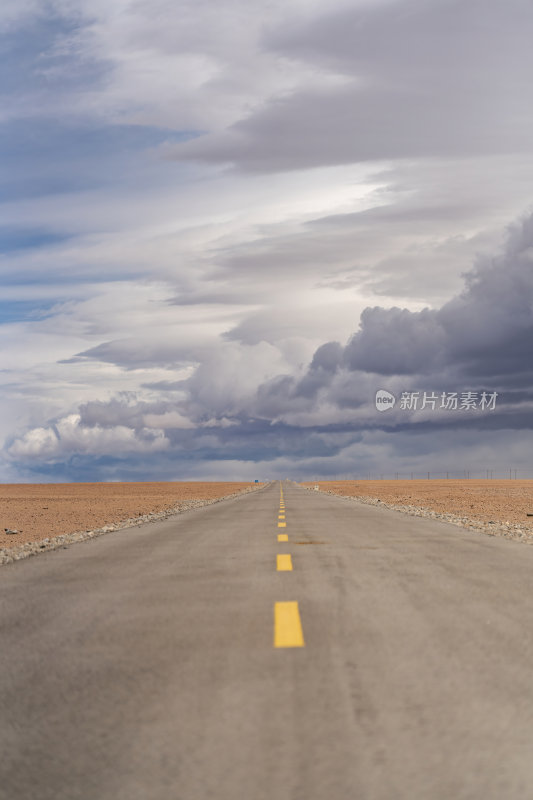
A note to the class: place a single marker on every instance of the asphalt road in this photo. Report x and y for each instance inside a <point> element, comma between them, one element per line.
<point>149,664</point>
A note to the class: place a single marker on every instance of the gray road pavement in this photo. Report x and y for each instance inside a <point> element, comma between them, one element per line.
<point>141,665</point>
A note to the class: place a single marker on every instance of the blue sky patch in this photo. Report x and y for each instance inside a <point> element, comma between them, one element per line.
<point>44,156</point>
<point>25,310</point>
<point>14,239</point>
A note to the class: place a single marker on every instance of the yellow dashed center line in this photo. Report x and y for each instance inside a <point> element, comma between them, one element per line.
<point>287,623</point>
<point>284,562</point>
<point>287,626</point>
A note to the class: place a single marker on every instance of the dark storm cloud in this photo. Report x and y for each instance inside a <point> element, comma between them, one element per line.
<point>245,276</point>
<point>122,410</point>
<point>416,79</point>
<point>396,341</point>
<point>481,340</point>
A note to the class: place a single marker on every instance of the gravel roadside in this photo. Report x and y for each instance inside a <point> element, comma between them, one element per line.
<point>18,552</point>
<point>507,529</point>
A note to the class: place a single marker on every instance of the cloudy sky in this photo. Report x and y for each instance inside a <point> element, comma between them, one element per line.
<point>227,225</point>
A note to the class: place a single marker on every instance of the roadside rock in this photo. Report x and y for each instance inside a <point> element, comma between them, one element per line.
<point>16,553</point>
<point>507,529</point>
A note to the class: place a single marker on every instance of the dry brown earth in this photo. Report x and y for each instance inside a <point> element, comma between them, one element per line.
<point>39,511</point>
<point>505,501</point>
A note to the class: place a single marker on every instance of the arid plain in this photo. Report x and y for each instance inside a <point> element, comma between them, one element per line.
<point>38,511</point>
<point>484,500</point>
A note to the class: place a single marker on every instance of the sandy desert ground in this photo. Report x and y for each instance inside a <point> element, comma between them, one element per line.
<point>38,511</point>
<point>483,500</point>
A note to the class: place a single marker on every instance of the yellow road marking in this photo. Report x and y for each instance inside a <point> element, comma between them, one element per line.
<point>287,626</point>
<point>281,516</point>
<point>284,562</point>
<point>282,524</point>
<point>282,537</point>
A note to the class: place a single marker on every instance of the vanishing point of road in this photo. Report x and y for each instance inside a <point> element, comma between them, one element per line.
<point>282,645</point>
